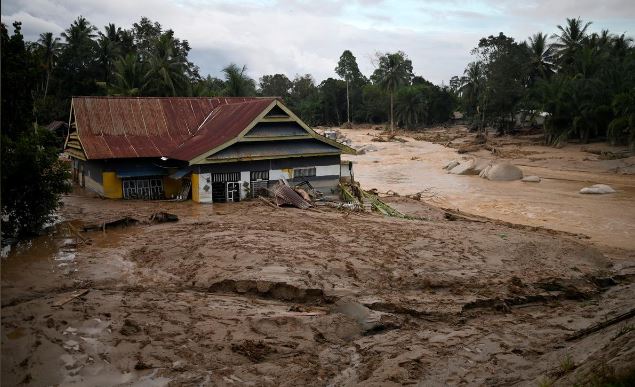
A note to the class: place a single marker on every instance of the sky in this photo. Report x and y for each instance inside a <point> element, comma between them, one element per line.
<point>299,37</point>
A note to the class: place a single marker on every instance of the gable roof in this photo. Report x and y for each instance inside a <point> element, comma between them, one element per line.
<point>181,128</point>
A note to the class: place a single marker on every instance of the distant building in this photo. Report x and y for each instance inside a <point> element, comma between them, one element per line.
<point>225,148</point>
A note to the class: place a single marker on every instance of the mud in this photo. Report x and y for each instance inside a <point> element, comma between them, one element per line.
<point>247,294</point>
<point>416,166</point>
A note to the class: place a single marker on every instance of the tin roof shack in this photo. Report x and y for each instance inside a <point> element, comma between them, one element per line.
<point>224,148</point>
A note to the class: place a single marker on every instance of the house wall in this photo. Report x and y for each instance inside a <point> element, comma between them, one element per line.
<point>327,177</point>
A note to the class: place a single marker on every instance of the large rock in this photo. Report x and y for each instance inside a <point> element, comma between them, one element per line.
<point>465,168</point>
<point>480,165</point>
<point>502,172</point>
<point>597,189</point>
<point>451,165</point>
<point>531,179</point>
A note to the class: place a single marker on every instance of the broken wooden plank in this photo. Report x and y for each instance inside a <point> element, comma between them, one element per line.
<point>599,326</point>
<point>68,297</point>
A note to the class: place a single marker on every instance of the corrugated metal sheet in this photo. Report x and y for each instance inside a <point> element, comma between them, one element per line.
<point>224,123</point>
<point>123,127</point>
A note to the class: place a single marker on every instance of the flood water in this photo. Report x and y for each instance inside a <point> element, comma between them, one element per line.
<point>415,166</point>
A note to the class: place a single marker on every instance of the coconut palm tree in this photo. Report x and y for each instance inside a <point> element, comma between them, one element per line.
<point>167,69</point>
<point>541,56</point>
<point>50,47</point>
<point>129,77</point>
<point>569,40</point>
<point>411,106</point>
<point>109,48</point>
<point>237,83</point>
<point>394,71</point>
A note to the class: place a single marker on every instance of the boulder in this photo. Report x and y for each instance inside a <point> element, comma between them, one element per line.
<point>597,189</point>
<point>466,168</point>
<point>451,165</point>
<point>531,179</point>
<point>502,172</point>
<point>480,165</point>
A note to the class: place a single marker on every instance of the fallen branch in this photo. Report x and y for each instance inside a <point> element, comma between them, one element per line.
<point>599,326</point>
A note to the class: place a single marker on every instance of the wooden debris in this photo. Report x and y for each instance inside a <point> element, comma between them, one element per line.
<point>125,221</point>
<point>286,195</point>
<point>267,202</point>
<point>599,326</point>
<point>68,297</point>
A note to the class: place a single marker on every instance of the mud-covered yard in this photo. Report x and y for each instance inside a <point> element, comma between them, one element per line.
<point>245,294</point>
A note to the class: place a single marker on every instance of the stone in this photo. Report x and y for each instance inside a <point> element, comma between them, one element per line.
<point>503,172</point>
<point>597,189</point>
<point>451,165</point>
<point>466,168</point>
<point>531,179</point>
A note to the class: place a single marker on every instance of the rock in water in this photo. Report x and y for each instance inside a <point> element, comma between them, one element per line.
<point>451,165</point>
<point>503,172</point>
<point>597,189</point>
<point>531,179</point>
<point>466,168</point>
<point>480,165</point>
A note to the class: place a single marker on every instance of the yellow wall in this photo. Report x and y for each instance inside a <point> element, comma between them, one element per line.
<point>171,187</point>
<point>113,189</point>
<point>195,197</point>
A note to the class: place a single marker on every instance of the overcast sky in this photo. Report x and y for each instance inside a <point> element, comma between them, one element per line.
<point>299,37</point>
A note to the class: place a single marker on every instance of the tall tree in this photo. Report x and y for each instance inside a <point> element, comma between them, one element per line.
<point>130,77</point>
<point>569,40</point>
<point>541,57</point>
<point>348,70</point>
<point>167,69</point>
<point>237,82</point>
<point>277,85</point>
<point>394,70</point>
<point>50,48</point>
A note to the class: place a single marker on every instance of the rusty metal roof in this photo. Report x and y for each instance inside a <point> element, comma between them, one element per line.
<point>223,124</point>
<point>128,127</point>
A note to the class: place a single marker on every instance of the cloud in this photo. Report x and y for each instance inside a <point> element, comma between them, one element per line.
<point>299,37</point>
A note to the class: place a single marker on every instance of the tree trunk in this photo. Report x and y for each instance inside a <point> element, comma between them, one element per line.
<point>392,126</point>
<point>46,88</point>
<point>348,105</point>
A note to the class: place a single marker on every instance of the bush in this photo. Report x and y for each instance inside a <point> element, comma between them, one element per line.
<point>33,179</point>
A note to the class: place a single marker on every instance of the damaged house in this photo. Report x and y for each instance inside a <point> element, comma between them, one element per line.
<point>222,149</point>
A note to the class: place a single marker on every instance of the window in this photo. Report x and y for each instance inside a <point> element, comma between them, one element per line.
<point>259,175</point>
<point>148,188</point>
<point>303,172</point>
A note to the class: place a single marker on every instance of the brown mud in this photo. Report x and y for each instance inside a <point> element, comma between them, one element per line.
<point>555,203</point>
<point>245,294</point>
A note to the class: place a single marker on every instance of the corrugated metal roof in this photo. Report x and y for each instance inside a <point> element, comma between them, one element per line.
<point>224,123</point>
<point>125,127</point>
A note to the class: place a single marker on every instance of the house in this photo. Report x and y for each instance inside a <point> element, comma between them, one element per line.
<point>224,148</point>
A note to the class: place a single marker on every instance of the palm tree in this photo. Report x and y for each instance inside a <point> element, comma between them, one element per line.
<point>50,47</point>
<point>109,48</point>
<point>129,77</point>
<point>394,71</point>
<point>472,86</point>
<point>569,40</point>
<point>411,106</point>
<point>167,68</point>
<point>541,56</point>
<point>237,83</point>
<point>79,32</point>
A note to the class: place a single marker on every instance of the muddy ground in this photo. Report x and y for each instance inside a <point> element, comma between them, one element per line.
<point>416,165</point>
<point>245,294</point>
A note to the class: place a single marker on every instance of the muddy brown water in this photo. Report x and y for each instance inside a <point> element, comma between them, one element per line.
<point>415,166</point>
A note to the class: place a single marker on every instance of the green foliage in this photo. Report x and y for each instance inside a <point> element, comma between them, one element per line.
<point>393,71</point>
<point>583,81</point>
<point>237,83</point>
<point>277,85</point>
<point>33,178</point>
